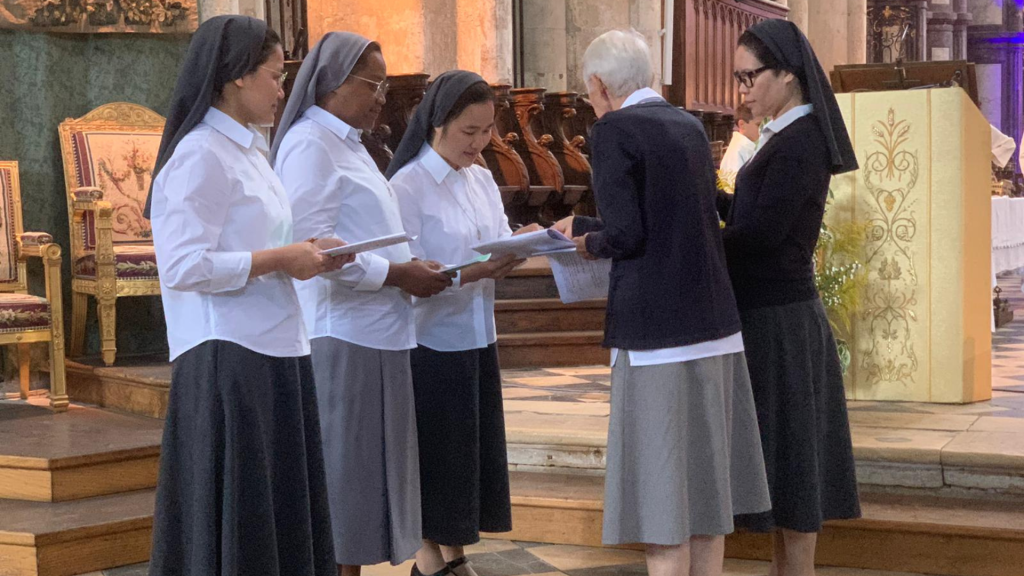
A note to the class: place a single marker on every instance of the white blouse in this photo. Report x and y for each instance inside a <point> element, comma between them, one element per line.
<point>214,203</point>
<point>450,211</point>
<point>336,189</point>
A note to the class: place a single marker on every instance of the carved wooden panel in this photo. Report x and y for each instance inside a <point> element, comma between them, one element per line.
<point>404,95</point>
<point>533,146</point>
<point>704,44</point>
<point>557,120</point>
<point>503,161</point>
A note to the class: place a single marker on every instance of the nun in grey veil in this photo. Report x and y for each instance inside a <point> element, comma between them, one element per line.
<point>360,320</point>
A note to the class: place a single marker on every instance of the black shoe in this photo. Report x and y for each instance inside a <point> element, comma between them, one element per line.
<point>455,564</point>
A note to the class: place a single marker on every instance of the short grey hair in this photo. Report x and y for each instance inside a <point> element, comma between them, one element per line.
<point>621,59</point>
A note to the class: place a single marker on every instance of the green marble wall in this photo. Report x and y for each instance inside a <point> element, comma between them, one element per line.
<point>45,78</point>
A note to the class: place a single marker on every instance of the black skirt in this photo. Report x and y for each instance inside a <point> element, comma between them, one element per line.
<point>463,460</point>
<point>801,412</point>
<point>241,487</point>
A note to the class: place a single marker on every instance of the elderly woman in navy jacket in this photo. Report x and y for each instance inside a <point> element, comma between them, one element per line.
<point>684,454</point>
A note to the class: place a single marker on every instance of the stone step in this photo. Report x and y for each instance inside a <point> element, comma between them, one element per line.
<point>66,538</point>
<point>902,533</point>
<point>551,349</point>
<point>84,452</point>
<point>548,315</point>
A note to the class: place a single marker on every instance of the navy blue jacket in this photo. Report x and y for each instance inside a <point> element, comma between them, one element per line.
<point>655,184</point>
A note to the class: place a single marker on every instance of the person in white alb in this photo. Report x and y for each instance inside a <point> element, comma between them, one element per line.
<point>360,318</point>
<point>452,204</point>
<point>743,144</point>
<point>684,454</point>
<point>241,488</point>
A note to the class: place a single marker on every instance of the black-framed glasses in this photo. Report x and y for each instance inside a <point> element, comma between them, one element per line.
<point>747,77</point>
<point>380,88</point>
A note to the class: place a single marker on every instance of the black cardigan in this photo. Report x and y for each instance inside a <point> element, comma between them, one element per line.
<point>654,180</point>
<point>774,219</point>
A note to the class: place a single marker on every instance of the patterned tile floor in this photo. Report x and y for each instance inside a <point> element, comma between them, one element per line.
<point>505,558</point>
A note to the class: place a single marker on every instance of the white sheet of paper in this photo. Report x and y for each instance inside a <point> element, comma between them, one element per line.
<point>456,267</point>
<point>578,279</point>
<point>367,245</point>
<point>526,245</point>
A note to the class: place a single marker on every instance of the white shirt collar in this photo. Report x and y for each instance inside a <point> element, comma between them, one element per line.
<point>639,96</point>
<point>246,137</point>
<point>434,163</point>
<point>779,124</point>
<point>336,125</point>
<point>740,139</point>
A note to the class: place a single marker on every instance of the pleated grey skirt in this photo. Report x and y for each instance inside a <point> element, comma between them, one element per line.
<point>241,487</point>
<point>801,408</point>
<point>368,419</point>
<point>684,454</point>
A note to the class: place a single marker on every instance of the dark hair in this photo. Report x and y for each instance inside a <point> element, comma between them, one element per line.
<point>477,93</point>
<point>765,56</point>
<point>270,42</point>
<point>743,113</point>
<point>364,58</point>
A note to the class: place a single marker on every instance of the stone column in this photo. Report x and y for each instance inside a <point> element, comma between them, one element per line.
<point>857,31</point>
<point>940,30</point>
<point>586,20</point>
<point>828,30</point>
<point>645,16</point>
<point>798,10</point>
<point>544,44</point>
<point>210,8</point>
<point>483,39</point>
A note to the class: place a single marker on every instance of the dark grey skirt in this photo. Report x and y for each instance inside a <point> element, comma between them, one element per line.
<point>241,487</point>
<point>368,420</point>
<point>801,410</point>
<point>463,458</point>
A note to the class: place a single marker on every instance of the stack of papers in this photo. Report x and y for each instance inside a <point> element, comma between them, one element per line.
<point>526,245</point>
<point>579,279</point>
<point>367,245</point>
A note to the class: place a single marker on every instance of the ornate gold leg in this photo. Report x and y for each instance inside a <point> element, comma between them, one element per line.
<point>108,333</point>
<point>79,316</point>
<point>58,383</point>
<point>106,283</point>
<point>24,365</point>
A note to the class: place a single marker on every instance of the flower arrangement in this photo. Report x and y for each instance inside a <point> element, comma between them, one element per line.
<point>838,274</point>
<point>840,278</point>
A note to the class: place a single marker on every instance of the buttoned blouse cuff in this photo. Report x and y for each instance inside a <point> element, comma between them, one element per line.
<point>230,270</point>
<point>376,273</point>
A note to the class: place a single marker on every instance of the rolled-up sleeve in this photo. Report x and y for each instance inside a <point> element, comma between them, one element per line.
<point>191,200</point>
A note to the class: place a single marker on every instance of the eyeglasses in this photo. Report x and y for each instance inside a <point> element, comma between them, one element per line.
<point>380,88</point>
<point>747,77</point>
<point>280,79</point>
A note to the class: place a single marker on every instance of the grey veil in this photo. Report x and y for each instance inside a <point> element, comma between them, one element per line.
<point>325,69</point>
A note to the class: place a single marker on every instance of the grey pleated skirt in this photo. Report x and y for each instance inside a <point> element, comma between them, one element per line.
<point>241,487</point>
<point>684,453</point>
<point>368,420</point>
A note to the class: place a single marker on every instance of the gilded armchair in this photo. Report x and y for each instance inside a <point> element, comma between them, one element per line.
<point>25,318</point>
<point>108,164</point>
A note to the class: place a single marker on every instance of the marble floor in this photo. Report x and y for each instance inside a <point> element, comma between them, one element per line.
<point>505,558</point>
